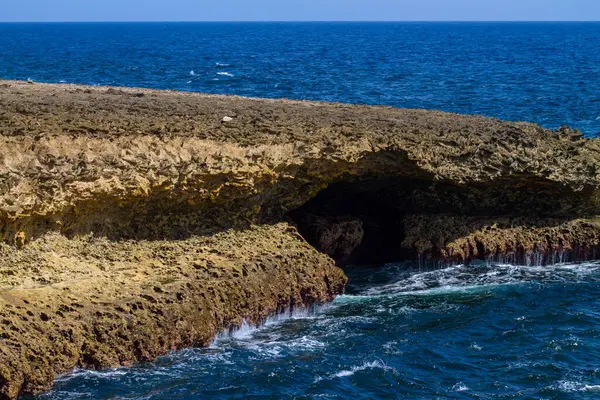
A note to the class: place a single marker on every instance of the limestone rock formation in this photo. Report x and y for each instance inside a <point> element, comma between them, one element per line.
<point>97,303</point>
<point>136,221</point>
<point>338,237</point>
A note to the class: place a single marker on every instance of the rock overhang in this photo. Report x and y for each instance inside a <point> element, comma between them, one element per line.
<point>164,221</point>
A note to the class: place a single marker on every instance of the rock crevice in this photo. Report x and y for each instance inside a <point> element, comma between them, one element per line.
<point>134,222</point>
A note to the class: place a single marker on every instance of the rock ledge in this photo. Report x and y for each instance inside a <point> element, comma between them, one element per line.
<point>136,221</point>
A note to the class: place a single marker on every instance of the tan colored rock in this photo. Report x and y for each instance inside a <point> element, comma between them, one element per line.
<point>136,221</point>
<point>96,303</point>
<point>520,240</point>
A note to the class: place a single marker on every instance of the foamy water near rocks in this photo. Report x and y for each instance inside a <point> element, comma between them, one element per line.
<point>135,221</point>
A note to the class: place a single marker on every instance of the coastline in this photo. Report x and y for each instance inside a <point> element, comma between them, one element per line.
<point>137,221</point>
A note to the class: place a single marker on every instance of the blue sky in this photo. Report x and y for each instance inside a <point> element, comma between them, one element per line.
<point>298,10</point>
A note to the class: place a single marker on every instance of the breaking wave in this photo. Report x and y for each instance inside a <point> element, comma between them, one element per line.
<point>462,332</point>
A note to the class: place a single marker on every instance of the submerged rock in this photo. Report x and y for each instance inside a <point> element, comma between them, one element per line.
<point>136,221</point>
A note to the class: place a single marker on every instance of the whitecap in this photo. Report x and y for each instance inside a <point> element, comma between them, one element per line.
<point>222,64</point>
<point>356,319</point>
<point>192,73</point>
<point>305,343</point>
<point>347,372</point>
<point>313,312</point>
<point>273,349</point>
<point>188,357</point>
<point>391,348</point>
<point>363,367</point>
<point>468,278</point>
<point>229,387</point>
<point>225,74</point>
<point>570,386</point>
<point>389,345</point>
<point>348,298</point>
<point>265,351</point>
<point>81,372</point>
<point>460,387</point>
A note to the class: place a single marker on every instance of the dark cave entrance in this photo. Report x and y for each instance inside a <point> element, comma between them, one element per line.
<point>372,220</point>
<point>359,221</point>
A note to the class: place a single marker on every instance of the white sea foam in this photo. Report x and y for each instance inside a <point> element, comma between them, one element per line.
<point>225,74</point>
<point>526,365</point>
<point>305,343</point>
<point>192,73</point>
<point>475,346</point>
<point>391,348</point>
<point>369,365</point>
<point>346,299</point>
<point>461,278</point>
<point>80,372</point>
<point>460,387</point>
<point>389,345</point>
<point>568,342</point>
<point>222,64</point>
<point>570,386</point>
<point>246,330</point>
<point>275,349</point>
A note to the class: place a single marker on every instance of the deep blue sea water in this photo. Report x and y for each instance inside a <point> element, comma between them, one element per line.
<point>547,73</point>
<point>479,332</point>
<point>486,332</point>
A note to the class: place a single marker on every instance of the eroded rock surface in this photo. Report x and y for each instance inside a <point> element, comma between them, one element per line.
<point>96,303</point>
<point>336,236</point>
<point>136,163</point>
<point>136,221</point>
<point>516,240</point>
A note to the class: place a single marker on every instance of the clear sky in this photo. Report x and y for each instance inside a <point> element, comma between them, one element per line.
<point>299,10</point>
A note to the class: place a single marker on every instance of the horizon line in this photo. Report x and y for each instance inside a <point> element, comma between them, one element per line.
<point>296,21</point>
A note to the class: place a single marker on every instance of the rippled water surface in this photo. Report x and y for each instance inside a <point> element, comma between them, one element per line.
<point>542,72</point>
<point>480,332</point>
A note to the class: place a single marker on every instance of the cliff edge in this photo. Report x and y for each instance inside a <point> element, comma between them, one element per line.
<point>135,221</point>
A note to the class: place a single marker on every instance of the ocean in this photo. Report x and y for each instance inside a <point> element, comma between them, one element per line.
<point>485,332</point>
<point>547,73</point>
<point>489,331</point>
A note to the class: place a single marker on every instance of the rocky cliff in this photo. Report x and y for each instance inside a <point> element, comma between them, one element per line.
<point>135,221</point>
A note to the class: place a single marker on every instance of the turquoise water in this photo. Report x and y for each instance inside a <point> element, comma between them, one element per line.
<point>485,332</point>
<point>480,332</point>
<point>541,72</point>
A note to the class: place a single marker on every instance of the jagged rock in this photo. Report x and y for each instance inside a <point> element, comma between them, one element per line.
<point>338,237</point>
<point>97,303</point>
<point>135,221</point>
<point>519,240</point>
<point>569,133</point>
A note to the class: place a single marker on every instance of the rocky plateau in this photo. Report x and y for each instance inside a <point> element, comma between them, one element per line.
<point>134,222</point>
